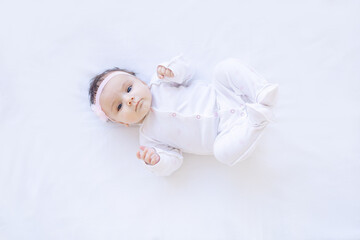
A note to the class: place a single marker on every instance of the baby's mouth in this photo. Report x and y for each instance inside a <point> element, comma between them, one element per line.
<point>137,104</point>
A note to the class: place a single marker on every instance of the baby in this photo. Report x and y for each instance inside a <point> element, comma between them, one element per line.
<point>224,118</point>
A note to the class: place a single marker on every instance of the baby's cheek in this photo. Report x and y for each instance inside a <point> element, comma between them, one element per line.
<point>146,106</point>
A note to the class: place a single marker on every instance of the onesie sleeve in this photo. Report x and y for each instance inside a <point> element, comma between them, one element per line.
<point>171,159</point>
<point>181,69</point>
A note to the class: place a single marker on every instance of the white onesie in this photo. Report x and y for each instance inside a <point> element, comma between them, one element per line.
<point>224,118</point>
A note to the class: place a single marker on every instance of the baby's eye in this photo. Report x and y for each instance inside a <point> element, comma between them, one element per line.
<point>119,107</point>
<point>129,89</point>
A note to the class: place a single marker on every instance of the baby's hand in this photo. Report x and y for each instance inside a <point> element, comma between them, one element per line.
<point>148,155</point>
<point>164,72</point>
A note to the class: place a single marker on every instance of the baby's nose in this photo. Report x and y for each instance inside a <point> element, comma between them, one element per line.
<point>130,101</point>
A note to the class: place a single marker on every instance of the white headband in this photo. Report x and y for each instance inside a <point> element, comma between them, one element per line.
<point>97,107</point>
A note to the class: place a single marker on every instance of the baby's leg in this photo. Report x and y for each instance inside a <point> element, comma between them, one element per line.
<point>238,142</point>
<point>243,80</point>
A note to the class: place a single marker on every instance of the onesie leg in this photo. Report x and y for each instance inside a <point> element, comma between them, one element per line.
<point>237,136</point>
<point>232,74</point>
<point>238,142</point>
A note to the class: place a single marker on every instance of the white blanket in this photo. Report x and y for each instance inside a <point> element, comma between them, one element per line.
<point>66,175</point>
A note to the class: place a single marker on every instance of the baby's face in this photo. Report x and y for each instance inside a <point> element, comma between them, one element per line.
<point>126,99</point>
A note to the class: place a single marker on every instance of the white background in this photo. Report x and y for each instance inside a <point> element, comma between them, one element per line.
<point>66,175</point>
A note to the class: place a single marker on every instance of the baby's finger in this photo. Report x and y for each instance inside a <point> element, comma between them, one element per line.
<point>149,153</point>
<point>159,68</point>
<point>147,158</point>
<point>162,70</point>
<point>154,159</point>
<point>168,72</point>
<point>138,155</point>
<point>151,159</point>
<point>143,153</point>
<point>171,74</point>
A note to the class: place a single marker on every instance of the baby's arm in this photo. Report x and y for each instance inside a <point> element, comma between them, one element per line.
<point>176,70</point>
<point>161,161</point>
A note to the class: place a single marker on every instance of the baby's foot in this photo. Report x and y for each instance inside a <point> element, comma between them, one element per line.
<point>259,115</point>
<point>268,95</point>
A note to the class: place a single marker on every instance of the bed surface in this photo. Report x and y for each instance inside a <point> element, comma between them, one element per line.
<point>66,175</point>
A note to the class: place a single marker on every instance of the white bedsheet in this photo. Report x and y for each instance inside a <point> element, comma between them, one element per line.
<point>66,175</point>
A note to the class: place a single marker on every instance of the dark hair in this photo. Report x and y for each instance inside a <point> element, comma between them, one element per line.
<point>96,81</point>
